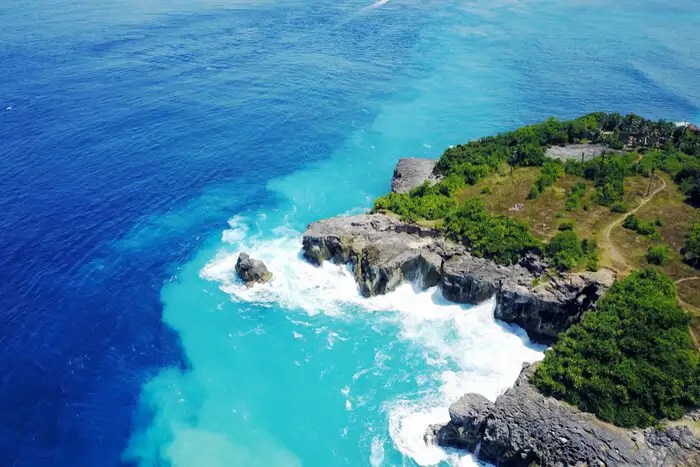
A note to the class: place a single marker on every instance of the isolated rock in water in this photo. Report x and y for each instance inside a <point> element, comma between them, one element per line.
<point>524,428</point>
<point>412,172</point>
<point>384,251</point>
<point>251,270</point>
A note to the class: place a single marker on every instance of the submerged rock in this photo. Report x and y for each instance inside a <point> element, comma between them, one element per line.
<point>524,428</point>
<point>385,251</point>
<point>412,172</point>
<point>251,270</point>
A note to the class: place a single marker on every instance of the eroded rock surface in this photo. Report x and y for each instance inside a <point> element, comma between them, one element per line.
<point>385,251</point>
<point>252,271</point>
<point>412,172</point>
<point>524,428</point>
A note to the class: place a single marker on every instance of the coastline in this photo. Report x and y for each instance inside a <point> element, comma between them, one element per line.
<point>385,252</point>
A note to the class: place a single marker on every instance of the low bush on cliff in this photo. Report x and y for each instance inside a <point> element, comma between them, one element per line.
<point>427,201</point>
<point>631,362</point>
<point>565,251</point>
<point>486,235</point>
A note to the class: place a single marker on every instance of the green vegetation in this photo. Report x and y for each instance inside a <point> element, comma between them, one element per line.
<point>486,235</point>
<point>619,207</point>
<point>576,194</point>
<point>551,171</point>
<point>566,225</point>
<point>657,255</point>
<point>429,202</point>
<point>691,250</point>
<point>565,251</point>
<point>632,362</point>
<point>496,162</point>
<point>631,222</point>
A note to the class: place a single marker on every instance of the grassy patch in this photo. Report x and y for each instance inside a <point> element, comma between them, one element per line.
<point>677,218</point>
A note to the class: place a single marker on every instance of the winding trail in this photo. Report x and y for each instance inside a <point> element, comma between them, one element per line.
<point>619,264</point>
<point>686,279</point>
<point>616,258</point>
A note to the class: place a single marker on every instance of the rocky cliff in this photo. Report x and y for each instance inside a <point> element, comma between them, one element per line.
<point>385,251</point>
<point>525,428</point>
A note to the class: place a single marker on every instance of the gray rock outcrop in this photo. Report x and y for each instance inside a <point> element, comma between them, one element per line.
<point>579,152</point>
<point>252,271</point>
<point>412,172</point>
<point>524,428</point>
<point>385,251</point>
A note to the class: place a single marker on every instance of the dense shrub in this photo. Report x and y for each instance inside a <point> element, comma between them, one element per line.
<point>551,171</point>
<point>619,207</point>
<point>657,255</point>
<point>498,237</point>
<point>424,202</point>
<point>688,179</point>
<point>691,250</point>
<point>564,250</point>
<point>591,253</point>
<point>631,362</point>
<point>566,225</point>
<point>573,167</point>
<point>528,155</point>
<point>576,194</point>
<point>633,223</point>
<point>608,173</point>
<point>526,147</point>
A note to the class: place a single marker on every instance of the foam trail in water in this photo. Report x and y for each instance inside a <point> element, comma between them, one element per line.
<point>376,4</point>
<point>467,348</point>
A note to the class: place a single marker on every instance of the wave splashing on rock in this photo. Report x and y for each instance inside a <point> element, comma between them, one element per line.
<point>465,348</point>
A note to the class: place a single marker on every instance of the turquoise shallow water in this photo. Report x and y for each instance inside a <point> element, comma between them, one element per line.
<point>303,371</point>
<point>147,143</point>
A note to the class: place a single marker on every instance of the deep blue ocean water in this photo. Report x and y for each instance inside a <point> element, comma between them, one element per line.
<point>144,144</point>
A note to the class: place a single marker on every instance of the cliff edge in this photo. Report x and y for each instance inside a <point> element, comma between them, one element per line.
<point>385,251</point>
<point>524,428</point>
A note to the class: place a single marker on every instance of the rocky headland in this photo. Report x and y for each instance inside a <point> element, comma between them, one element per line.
<point>525,428</point>
<point>384,252</point>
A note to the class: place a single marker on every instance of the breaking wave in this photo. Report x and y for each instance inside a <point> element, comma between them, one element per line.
<point>465,348</point>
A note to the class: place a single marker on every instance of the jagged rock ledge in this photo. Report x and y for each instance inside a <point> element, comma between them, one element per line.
<point>385,251</point>
<point>524,428</point>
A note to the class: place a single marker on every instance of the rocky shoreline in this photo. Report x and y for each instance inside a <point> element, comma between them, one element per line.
<point>523,427</point>
<point>384,252</point>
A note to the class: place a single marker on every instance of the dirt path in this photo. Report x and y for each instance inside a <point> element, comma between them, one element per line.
<point>617,260</point>
<point>686,279</point>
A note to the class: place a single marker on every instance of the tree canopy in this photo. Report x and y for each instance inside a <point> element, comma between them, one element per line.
<point>632,361</point>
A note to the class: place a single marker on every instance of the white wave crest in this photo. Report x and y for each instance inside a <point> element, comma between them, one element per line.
<point>376,5</point>
<point>469,349</point>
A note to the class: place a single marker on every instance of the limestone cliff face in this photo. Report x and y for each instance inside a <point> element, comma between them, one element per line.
<point>385,251</point>
<point>525,428</point>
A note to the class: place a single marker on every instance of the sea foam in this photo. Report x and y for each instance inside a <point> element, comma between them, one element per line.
<point>467,348</point>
